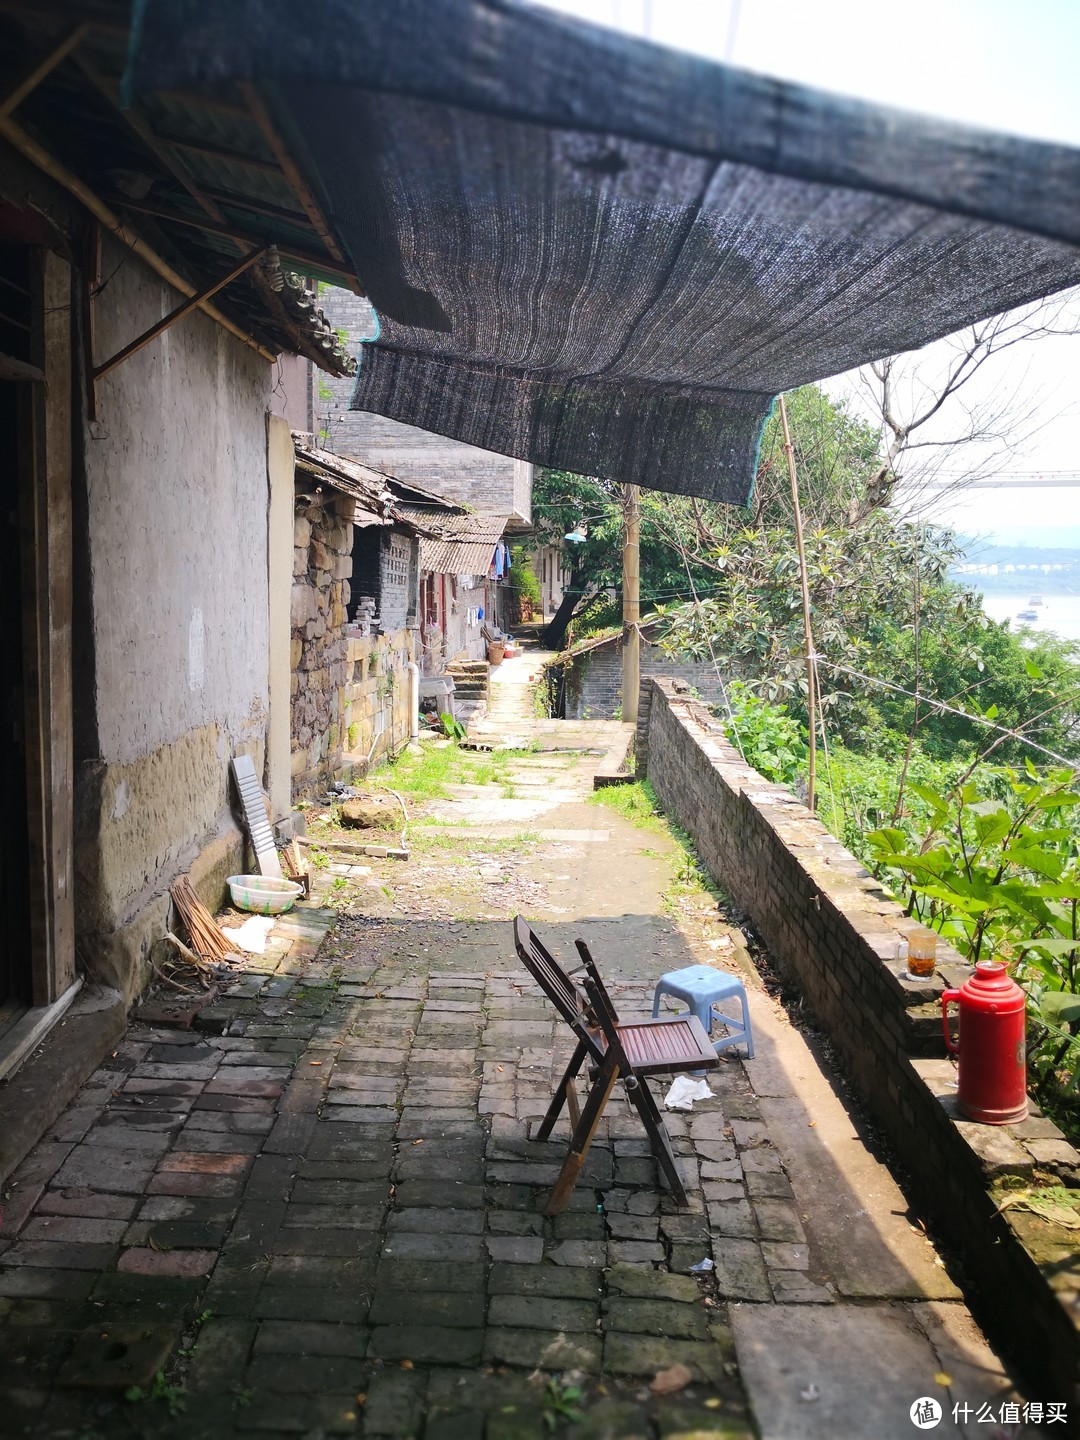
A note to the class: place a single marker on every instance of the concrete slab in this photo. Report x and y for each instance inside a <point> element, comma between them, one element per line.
<point>854,1212</point>
<point>836,1373</point>
<point>974,1370</point>
<point>489,832</point>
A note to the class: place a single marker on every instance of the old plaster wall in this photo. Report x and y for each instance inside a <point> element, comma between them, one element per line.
<point>176,516</point>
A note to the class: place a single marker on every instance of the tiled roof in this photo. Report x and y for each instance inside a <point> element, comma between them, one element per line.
<point>607,637</point>
<point>465,545</point>
<point>367,487</point>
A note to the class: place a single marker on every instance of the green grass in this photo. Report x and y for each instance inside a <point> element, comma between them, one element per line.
<point>636,802</point>
<point>689,877</point>
<point>499,845</point>
<point>425,776</point>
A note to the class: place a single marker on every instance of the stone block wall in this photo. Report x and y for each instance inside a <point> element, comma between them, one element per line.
<point>832,931</point>
<point>322,563</point>
<point>350,694</point>
<point>376,698</point>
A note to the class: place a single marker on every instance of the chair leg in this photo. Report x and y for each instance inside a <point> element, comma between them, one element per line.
<point>659,1139</point>
<point>562,1093</point>
<point>582,1138</point>
<point>656,1001</point>
<point>749,1034</point>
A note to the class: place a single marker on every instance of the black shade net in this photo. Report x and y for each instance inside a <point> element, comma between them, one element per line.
<point>597,254</point>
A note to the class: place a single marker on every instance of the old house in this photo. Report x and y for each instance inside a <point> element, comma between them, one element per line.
<point>463,570</point>
<point>144,574</point>
<point>356,613</point>
<point>553,574</point>
<point>391,585</point>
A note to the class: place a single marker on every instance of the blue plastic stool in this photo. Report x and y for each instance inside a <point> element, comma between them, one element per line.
<point>703,988</point>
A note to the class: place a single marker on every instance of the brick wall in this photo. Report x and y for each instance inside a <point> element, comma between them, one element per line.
<point>490,484</point>
<point>832,931</point>
<point>594,678</point>
<point>397,581</point>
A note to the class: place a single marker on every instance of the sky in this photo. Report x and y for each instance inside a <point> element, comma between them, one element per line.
<point>1004,64</point>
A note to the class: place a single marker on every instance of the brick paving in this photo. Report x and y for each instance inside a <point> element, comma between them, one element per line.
<point>322,1213</point>
<point>327,1220</point>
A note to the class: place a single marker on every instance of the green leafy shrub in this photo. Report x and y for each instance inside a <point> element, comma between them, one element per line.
<point>860,793</point>
<point>998,875</point>
<point>524,585</point>
<point>772,741</point>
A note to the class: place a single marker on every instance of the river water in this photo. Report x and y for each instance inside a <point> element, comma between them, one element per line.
<point>1059,612</point>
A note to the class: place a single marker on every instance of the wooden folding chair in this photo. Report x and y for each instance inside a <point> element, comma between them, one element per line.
<point>626,1051</point>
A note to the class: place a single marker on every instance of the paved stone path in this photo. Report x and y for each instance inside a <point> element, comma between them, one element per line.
<point>322,1214</point>
<point>343,1185</point>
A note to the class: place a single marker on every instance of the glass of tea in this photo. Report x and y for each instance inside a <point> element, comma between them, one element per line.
<point>921,952</point>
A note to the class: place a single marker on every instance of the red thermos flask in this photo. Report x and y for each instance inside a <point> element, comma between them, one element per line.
<point>990,1045</point>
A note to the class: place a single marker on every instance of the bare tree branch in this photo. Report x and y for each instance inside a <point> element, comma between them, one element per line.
<point>940,432</point>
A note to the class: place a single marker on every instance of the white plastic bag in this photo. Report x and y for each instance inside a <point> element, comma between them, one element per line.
<point>251,936</point>
<point>684,1091</point>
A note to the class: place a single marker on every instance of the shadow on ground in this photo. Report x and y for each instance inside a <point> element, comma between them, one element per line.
<point>327,1218</point>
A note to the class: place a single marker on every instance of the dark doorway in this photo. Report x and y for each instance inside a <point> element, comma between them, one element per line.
<point>16,459</point>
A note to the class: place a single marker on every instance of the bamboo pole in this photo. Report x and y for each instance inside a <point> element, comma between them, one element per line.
<point>808,636</point>
<point>43,69</point>
<point>631,613</point>
<point>260,113</point>
<point>39,156</point>
<point>207,939</point>
<point>184,308</point>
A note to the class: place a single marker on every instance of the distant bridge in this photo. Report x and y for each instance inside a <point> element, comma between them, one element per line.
<point>1013,480</point>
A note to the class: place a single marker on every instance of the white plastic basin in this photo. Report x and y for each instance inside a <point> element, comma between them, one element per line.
<point>263,894</point>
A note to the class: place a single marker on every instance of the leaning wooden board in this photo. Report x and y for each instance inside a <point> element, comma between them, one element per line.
<point>251,797</point>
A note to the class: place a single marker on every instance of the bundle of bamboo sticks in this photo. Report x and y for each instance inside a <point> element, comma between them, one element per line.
<point>207,939</point>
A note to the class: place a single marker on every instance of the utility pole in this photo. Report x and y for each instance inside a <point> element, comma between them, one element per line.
<point>631,603</point>
<point>631,551</point>
<point>808,634</point>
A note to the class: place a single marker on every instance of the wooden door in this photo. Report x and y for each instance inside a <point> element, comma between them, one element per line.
<point>37,948</point>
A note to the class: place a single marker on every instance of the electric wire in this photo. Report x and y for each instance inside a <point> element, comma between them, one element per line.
<point>712,653</point>
<point>943,708</point>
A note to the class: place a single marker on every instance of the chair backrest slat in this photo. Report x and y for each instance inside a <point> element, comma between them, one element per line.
<point>603,1007</point>
<point>548,973</point>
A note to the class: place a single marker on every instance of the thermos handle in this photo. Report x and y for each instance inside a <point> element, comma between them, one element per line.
<point>946,997</point>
